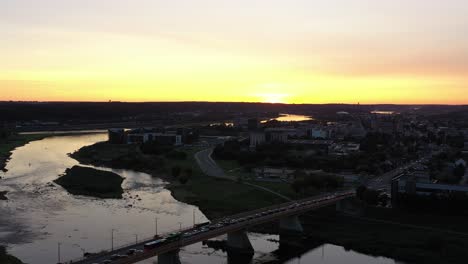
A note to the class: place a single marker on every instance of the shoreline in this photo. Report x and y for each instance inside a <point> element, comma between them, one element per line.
<point>376,239</point>
<point>7,146</point>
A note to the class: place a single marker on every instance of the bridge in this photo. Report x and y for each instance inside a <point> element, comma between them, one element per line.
<point>167,246</point>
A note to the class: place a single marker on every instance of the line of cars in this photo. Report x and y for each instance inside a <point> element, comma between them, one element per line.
<point>208,226</point>
<point>115,257</point>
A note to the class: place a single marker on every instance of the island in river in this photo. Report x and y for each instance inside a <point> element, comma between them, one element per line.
<point>80,180</point>
<point>383,232</point>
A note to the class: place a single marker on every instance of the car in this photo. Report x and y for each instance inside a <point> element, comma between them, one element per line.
<point>114,257</point>
<point>131,251</point>
<point>106,261</point>
<point>154,244</point>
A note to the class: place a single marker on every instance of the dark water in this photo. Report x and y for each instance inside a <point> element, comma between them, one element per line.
<point>38,214</point>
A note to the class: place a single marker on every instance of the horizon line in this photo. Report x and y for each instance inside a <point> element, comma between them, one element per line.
<point>235,102</point>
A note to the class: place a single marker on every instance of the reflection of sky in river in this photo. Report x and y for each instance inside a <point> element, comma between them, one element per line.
<point>40,214</point>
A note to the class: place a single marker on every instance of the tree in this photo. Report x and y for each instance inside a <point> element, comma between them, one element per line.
<point>176,170</point>
<point>459,171</point>
<point>383,199</point>
<point>183,179</point>
<point>360,192</point>
<point>188,172</point>
<point>371,197</point>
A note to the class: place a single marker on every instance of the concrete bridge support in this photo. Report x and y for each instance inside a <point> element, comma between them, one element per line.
<point>239,242</point>
<point>291,225</point>
<point>171,257</point>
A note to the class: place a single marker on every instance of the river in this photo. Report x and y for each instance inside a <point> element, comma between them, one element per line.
<point>40,214</point>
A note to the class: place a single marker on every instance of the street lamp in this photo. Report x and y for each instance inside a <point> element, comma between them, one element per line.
<point>112,238</point>
<point>58,252</point>
<point>194,217</point>
<point>156,225</point>
<point>180,226</point>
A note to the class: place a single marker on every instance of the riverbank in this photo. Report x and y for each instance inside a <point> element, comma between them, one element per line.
<point>13,142</point>
<point>215,197</point>
<point>7,259</point>
<point>91,182</point>
<point>220,197</point>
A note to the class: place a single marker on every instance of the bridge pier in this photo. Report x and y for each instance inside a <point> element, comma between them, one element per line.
<point>239,241</point>
<point>291,225</point>
<point>171,257</point>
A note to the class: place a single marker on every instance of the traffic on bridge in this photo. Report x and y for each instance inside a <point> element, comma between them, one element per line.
<point>172,242</point>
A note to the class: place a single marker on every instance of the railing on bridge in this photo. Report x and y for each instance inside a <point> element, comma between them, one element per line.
<point>104,252</point>
<point>145,255</point>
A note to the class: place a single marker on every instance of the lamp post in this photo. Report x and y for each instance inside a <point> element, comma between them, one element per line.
<point>194,218</point>
<point>156,225</point>
<point>112,239</point>
<point>58,252</point>
<point>180,226</point>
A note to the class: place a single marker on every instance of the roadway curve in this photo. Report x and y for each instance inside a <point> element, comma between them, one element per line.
<point>212,169</point>
<point>209,166</point>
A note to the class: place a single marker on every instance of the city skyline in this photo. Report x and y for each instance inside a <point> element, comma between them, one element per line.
<point>247,51</point>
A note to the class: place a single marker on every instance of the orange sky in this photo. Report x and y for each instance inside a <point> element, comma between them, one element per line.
<point>296,51</point>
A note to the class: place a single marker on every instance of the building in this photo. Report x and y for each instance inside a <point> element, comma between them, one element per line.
<point>117,136</point>
<point>253,124</point>
<point>144,135</point>
<point>257,138</point>
<point>279,135</point>
<point>188,135</point>
<point>418,182</point>
<point>320,133</point>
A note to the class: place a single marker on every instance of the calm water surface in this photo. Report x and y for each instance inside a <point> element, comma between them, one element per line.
<point>40,214</point>
<point>290,118</point>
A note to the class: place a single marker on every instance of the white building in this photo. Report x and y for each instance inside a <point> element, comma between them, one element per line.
<point>257,138</point>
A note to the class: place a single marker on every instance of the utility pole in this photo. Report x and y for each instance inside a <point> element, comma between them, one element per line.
<point>58,252</point>
<point>112,239</point>
<point>194,217</point>
<point>156,225</point>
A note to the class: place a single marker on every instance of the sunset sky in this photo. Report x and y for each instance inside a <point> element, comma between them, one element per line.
<point>292,51</point>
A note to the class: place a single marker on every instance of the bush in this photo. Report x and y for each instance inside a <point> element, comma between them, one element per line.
<point>176,155</point>
<point>154,148</point>
<point>175,171</point>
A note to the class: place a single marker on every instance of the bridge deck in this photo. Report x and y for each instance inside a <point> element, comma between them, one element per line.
<point>220,227</point>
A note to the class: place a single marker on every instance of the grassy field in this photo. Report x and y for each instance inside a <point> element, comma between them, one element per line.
<point>218,197</point>
<point>215,197</point>
<point>15,141</point>
<point>91,182</point>
<point>282,188</point>
<point>7,259</point>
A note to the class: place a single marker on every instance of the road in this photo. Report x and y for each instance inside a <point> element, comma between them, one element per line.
<point>385,180</point>
<point>208,165</point>
<point>220,227</point>
<point>212,169</point>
